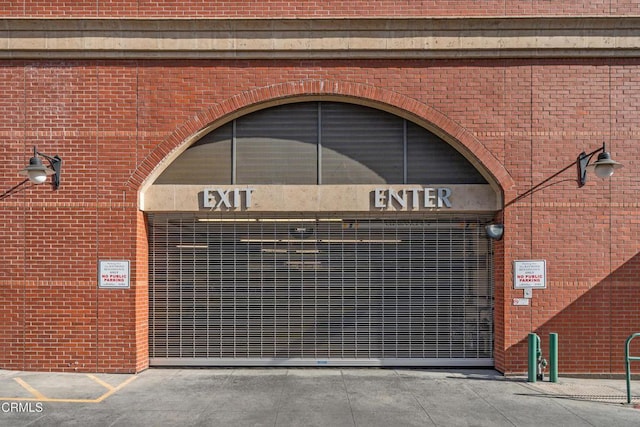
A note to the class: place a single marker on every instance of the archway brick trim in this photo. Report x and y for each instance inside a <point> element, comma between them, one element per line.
<point>369,95</point>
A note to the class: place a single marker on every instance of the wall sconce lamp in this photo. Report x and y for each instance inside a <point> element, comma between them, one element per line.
<point>38,173</point>
<point>603,167</point>
<point>494,231</point>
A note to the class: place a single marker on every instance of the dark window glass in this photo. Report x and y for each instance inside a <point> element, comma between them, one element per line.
<point>278,145</point>
<point>430,160</point>
<point>360,145</point>
<point>208,161</point>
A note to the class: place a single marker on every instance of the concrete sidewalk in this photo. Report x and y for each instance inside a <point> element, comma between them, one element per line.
<point>310,397</point>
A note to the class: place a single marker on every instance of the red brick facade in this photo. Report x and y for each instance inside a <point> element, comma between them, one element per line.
<point>287,9</point>
<point>113,121</point>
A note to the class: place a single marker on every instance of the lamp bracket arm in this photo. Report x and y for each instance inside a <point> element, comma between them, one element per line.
<point>590,155</point>
<point>537,186</point>
<point>53,160</point>
<point>56,164</point>
<point>13,189</point>
<point>597,150</point>
<point>583,161</point>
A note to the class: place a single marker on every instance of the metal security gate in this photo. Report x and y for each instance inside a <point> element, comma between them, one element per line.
<point>320,291</point>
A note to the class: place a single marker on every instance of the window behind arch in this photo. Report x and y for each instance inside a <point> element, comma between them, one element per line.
<point>320,143</point>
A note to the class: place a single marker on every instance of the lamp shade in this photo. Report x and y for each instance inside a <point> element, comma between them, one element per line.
<point>36,171</point>
<point>495,231</point>
<point>604,166</point>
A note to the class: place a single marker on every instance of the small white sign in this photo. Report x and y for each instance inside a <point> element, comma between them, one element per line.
<point>521,301</point>
<point>530,274</point>
<point>113,274</point>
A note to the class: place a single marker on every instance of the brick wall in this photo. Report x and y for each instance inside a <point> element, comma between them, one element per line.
<point>320,9</point>
<point>113,121</point>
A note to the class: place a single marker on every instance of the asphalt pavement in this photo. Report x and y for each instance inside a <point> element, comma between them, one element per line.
<point>311,397</point>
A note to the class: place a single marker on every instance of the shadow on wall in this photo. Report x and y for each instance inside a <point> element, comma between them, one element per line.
<point>593,329</point>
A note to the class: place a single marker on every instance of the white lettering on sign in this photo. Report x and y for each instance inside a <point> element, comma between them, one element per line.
<point>412,198</point>
<point>236,198</point>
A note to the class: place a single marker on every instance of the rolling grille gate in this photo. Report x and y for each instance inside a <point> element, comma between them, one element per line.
<point>308,291</point>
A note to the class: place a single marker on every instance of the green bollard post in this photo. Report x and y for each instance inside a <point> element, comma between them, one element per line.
<point>533,360</point>
<point>553,357</point>
<point>627,359</point>
<point>628,371</point>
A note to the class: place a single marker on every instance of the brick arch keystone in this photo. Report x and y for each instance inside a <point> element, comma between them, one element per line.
<point>296,91</point>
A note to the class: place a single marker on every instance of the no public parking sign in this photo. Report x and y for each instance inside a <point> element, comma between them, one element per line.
<point>530,274</point>
<point>113,274</point>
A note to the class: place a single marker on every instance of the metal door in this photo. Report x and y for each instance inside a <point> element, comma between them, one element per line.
<point>320,291</point>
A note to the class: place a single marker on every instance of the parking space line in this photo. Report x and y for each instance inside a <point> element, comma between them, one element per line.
<point>115,389</point>
<point>39,397</point>
<point>48,400</point>
<point>30,389</point>
<point>102,383</point>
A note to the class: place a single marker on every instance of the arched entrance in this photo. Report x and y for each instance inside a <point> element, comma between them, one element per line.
<point>320,233</point>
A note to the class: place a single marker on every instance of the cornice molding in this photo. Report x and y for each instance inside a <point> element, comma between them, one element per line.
<point>330,38</point>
